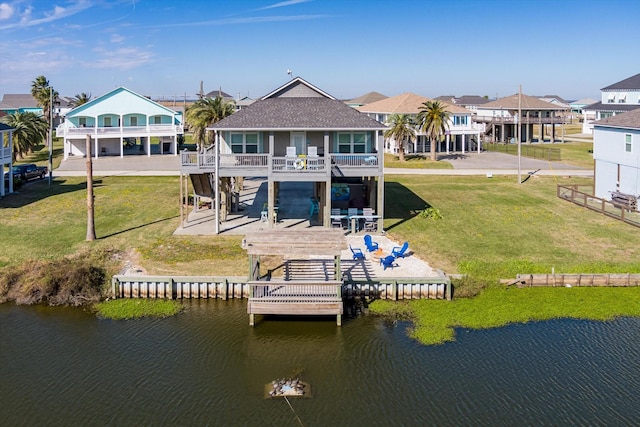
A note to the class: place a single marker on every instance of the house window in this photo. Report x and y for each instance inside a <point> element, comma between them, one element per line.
<point>605,114</point>
<point>460,120</point>
<point>244,142</point>
<point>622,99</point>
<point>134,121</point>
<point>627,143</point>
<point>82,122</point>
<point>611,99</point>
<point>157,120</point>
<point>352,142</point>
<point>107,122</point>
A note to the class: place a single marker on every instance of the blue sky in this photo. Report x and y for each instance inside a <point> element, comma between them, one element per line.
<point>345,47</point>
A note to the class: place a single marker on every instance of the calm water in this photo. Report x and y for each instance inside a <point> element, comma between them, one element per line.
<point>64,367</point>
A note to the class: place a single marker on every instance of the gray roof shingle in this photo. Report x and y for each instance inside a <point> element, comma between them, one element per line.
<point>298,113</point>
<point>615,107</point>
<point>629,120</point>
<point>632,82</point>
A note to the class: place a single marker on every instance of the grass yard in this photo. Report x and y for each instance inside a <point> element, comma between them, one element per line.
<point>413,161</point>
<point>572,153</point>
<point>495,228</point>
<point>140,213</point>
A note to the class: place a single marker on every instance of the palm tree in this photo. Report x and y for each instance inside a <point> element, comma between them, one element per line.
<point>205,112</point>
<point>29,130</point>
<point>433,121</point>
<point>401,129</point>
<point>79,99</point>
<point>44,94</point>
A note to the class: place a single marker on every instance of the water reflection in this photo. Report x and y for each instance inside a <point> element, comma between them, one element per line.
<point>61,366</point>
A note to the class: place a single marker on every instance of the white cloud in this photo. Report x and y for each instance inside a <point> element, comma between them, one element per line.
<point>117,38</point>
<point>125,58</point>
<point>29,18</point>
<point>283,4</point>
<point>6,11</point>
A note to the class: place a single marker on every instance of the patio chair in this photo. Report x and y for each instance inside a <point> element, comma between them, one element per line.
<point>399,252</point>
<point>370,244</point>
<point>370,223</point>
<point>388,261</point>
<point>357,253</point>
<point>336,218</point>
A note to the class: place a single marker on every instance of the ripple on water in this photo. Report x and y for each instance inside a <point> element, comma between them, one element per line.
<point>62,365</point>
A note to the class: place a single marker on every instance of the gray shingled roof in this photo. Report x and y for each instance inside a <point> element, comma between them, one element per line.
<point>12,101</point>
<point>298,113</point>
<point>471,100</point>
<point>599,106</point>
<point>632,82</point>
<point>629,120</point>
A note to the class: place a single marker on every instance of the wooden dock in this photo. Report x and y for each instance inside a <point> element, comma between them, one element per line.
<point>309,298</point>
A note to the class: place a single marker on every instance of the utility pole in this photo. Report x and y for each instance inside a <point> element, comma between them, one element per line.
<point>91,230</point>
<point>50,135</point>
<point>518,133</point>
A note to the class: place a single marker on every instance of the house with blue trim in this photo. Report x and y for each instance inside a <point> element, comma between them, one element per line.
<point>120,123</point>
<point>616,153</point>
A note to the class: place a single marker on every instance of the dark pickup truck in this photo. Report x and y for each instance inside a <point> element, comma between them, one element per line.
<point>27,172</point>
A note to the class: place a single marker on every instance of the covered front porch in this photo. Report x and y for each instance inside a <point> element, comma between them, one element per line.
<point>295,207</point>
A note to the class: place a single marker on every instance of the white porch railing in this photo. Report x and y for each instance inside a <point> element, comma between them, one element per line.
<point>64,131</point>
<point>208,160</point>
<point>280,164</point>
<point>367,160</point>
<point>5,154</point>
<point>298,164</point>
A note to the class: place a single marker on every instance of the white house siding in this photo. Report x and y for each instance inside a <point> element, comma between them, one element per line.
<point>611,158</point>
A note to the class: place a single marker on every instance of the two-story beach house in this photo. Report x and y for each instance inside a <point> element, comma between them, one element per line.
<point>461,135</point>
<point>617,98</point>
<point>6,157</point>
<point>297,133</point>
<point>616,152</point>
<point>503,115</point>
<point>121,122</point>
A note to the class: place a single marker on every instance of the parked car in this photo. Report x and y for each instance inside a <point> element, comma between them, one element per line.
<point>27,171</point>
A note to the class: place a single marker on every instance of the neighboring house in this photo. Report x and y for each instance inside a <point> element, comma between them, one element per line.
<point>616,152</point>
<point>471,102</point>
<point>297,133</point>
<point>577,107</point>
<point>6,156</point>
<point>243,102</point>
<point>501,117</point>
<point>121,122</point>
<point>19,102</point>
<point>617,98</point>
<point>462,134</point>
<point>365,99</point>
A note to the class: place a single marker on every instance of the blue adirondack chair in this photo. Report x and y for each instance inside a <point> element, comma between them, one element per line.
<point>357,253</point>
<point>371,245</point>
<point>399,252</point>
<point>387,261</point>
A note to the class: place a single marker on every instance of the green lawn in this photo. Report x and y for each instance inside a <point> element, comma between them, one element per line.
<point>495,228</point>
<point>130,213</point>
<point>573,153</point>
<point>414,162</point>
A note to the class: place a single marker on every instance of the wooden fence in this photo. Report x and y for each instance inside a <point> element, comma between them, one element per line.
<point>527,150</point>
<point>566,280</point>
<point>585,198</point>
<point>186,287</point>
